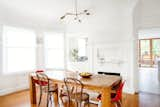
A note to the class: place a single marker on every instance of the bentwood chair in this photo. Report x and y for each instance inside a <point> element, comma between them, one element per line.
<point>75,93</point>
<point>35,80</point>
<point>40,83</point>
<point>46,86</point>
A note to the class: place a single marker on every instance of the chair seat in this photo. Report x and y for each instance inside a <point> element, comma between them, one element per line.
<point>42,83</point>
<point>51,89</point>
<point>85,96</point>
<point>63,94</point>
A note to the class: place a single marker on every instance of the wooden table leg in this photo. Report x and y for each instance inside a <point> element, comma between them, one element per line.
<point>56,103</point>
<point>106,97</point>
<point>32,91</point>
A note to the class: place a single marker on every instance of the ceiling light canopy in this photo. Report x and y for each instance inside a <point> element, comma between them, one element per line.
<point>76,14</point>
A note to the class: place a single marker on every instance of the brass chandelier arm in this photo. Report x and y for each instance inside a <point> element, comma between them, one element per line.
<point>81,13</point>
<point>70,14</point>
<point>76,13</point>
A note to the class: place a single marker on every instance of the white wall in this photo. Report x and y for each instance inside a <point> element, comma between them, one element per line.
<point>149,33</point>
<point>124,42</point>
<point>114,55</point>
<point>40,54</point>
<point>150,15</point>
<point>12,83</point>
<point>1,50</point>
<point>119,59</point>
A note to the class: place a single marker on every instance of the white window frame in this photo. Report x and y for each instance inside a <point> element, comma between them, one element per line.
<point>50,48</point>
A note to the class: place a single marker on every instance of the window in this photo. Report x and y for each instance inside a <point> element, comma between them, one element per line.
<point>82,45</point>
<point>78,49</point>
<point>54,50</point>
<point>156,48</point>
<point>18,49</point>
<point>149,51</point>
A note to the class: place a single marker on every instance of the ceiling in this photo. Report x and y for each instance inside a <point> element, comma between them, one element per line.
<point>47,12</point>
<point>38,11</point>
<point>108,17</point>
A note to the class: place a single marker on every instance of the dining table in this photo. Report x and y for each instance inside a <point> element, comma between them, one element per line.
<point>97,83</point>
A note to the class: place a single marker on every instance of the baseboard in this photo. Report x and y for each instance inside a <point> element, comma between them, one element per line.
<point>12,90</point>
<point>129,91</point>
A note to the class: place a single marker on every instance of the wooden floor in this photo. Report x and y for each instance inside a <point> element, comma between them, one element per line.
<point>21,99</point>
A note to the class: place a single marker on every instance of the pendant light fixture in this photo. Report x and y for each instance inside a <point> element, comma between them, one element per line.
<point>76,14</point>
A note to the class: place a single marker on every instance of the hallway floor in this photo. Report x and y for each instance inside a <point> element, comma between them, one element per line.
<point>148,80</point>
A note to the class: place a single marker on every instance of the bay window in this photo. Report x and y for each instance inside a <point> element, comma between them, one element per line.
<point>54,50</point>
<point>19,46</point>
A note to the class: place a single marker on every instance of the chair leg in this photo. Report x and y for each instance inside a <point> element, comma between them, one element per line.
<point>57,96</point>
<point>88,102</point>
<point>69,103</point>
<point>61,99</point>
<point>99,103</point>
<point>48,98</point>
<point>78,104</point>
<point>40,97</point>
<point>115,104</point>
<point>120,103</point>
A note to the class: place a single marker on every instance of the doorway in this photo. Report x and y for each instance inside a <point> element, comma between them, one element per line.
<point>149,57</point>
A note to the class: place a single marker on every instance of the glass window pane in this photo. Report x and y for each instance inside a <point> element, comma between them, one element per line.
<point>145,49</point>
<point>20,59</point>
<point>82,47</point>
<point>156,48</point>
<point>55,58</point>
<point>54,50</point>
<point>18,37</point>
<point>18,49</point>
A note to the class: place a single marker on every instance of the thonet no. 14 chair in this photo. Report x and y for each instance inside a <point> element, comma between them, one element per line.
<point>46,86</point>
<point>74,93</point>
